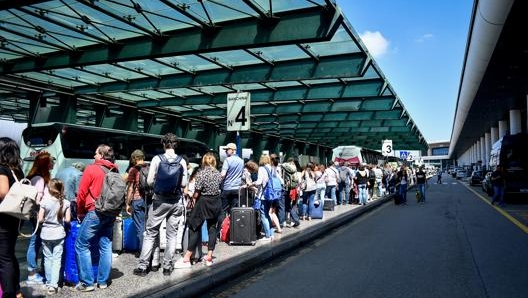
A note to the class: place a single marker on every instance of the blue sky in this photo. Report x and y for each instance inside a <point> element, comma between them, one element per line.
<point>419,46</point>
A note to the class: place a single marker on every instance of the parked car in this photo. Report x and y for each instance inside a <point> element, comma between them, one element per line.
<point>486,184</point>
<point>461,173</point>
<point>476,177</point>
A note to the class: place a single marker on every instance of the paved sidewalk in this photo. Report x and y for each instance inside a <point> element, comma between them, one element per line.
<point>229,261</point>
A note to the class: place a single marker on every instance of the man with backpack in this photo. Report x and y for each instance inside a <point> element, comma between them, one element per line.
<point>137,194</point>
<point>291,180</point>
<point>346,178</point>
<point>99,199</point>
<point>168,175</point>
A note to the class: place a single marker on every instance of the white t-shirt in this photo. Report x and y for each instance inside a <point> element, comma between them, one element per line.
<point>52,229</point>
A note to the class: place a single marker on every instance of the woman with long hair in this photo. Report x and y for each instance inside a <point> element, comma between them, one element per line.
<point>207,208</point>
<point>10,162</point>
<point>40,176</point>
<point>308,187</point>
<point>265,205</point>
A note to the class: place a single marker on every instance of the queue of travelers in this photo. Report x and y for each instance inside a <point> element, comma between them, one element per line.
<point>197,199</point>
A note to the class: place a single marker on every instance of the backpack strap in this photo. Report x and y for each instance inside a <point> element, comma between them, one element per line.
<point>269,177</point>
<point>105,170</point>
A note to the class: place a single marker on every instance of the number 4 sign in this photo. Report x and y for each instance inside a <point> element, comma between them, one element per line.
<point>238,111</point>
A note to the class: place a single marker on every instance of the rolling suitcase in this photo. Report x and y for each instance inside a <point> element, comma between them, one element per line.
<point>397,198</point>
<point>316,211</point>
<point>243,223</point>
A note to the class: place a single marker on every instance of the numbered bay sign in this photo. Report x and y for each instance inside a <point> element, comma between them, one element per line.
<point>386,148</point>
<point>238,111</point>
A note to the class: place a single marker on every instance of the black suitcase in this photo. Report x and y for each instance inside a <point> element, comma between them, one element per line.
<point>328,204</point>
<point>397,198</point>
<point>243,224</point>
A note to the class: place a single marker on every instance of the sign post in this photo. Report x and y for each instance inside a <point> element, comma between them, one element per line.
<point>238,111</point>
<point>238,115</point>
<point>386,148</point>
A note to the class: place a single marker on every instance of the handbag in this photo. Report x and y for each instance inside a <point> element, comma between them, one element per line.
<point>21,199</point>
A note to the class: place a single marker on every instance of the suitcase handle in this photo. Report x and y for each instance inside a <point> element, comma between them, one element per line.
<point>240,194</point>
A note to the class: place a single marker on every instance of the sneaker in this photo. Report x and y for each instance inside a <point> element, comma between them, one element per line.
<point>266,239</point>
<point>35,279</point>
<point>181,264</point>
<point>80,287</point>
<point>102,286</point>
<point>51,291</point>
<point>140,271</point>
<point>208,261</point>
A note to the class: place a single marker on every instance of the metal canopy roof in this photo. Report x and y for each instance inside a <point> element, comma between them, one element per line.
<point>495,73</point>
<point>310,77</point>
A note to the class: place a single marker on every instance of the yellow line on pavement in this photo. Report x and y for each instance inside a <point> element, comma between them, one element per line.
<point>500,210</point>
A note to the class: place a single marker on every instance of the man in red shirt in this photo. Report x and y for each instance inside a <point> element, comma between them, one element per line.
<point>94,224</point>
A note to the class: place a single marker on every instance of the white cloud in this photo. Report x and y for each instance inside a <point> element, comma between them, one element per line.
<point>375,43</point>
<point>424,37</point>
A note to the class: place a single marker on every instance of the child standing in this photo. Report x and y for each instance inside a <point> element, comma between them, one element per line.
<point>53,214</point>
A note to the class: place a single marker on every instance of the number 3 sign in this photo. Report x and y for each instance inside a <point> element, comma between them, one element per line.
<point>386,149</point>
<point>238,111</point>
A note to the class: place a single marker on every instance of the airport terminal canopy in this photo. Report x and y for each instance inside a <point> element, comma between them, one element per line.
<point>309,76</point>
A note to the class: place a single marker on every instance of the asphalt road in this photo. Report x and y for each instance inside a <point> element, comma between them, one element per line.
<point>454,245</point>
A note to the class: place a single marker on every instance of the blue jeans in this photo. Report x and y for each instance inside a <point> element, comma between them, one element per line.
<point>265,218</point>
<point>138,216</point>
<point>363,194</point>
<point>308,198</point>
<point>281,210</point>
<point>52,250</point>
<point>498,194</point>
<point>421,189</point>
<point>320,192</point>
<point>343,189</point>
<point>331,190</point>
<point>99,228</point>
<point>403,193</point>
<point>33,248</point>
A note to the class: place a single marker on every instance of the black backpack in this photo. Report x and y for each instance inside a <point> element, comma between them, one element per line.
<point>146,191</point>
<point>169,176</point>
<point>112,197</point>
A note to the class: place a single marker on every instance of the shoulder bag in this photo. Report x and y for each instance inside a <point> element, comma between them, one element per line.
<point>20,201</point>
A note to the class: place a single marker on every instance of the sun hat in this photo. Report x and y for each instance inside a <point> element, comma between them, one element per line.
<point>230,146</point>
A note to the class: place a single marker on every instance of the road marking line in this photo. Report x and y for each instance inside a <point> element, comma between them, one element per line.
<point>519,224</point>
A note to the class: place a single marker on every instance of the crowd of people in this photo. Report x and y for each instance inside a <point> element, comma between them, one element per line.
<point>198,202</point>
